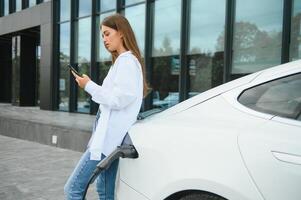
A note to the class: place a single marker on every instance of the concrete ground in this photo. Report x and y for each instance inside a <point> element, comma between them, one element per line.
<point>33,171</point>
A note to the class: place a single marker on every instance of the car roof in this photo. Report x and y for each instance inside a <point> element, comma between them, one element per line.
<point>204,96</point>
<point>280,70</point>
<point>254,77</point>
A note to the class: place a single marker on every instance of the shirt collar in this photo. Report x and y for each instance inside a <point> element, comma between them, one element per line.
<point>124,53</point>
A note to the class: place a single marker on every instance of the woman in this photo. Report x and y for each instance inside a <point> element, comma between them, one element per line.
<point>119,98</point>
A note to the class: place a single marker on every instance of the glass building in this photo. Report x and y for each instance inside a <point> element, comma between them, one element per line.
<point>189,46</point>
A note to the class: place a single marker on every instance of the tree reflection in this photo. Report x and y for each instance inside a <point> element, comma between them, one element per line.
<point>165,76</point>
<point>83,99</point>
<point>64,84</point>
<point>252,45</point>
<point>295,45</point>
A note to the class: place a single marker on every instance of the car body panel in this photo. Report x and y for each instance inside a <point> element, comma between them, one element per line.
<point>207,143</point>
<point>267,75</point>
<point>272,154</point>
<point>127,192</point>
<point>278,140</point>
<point>207,95</point>
<point>218,168</point>
<point>279,71</point>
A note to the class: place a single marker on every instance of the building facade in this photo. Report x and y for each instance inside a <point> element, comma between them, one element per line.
<point>189,46</point>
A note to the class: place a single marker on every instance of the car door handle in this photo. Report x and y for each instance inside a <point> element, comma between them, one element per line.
<point>287,157</point>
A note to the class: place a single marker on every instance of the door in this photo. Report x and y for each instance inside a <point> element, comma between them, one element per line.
<point>272,151</point>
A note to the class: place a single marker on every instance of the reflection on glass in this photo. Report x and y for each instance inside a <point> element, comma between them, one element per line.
<point>83,99</point>
<point>104,68</point>
<point>32,3</point>
<point>257,35</point>
<point>295,44</point>
<point>136,17</point>
<point>205,71</point>
<point>280,97</point>
<point>38,52</point>
<point>129,2</point>
<point>83,57</point>
<point>83,54</point>
<point>206,45</point>
<point>6,7</point>
<point>64,71</point>
<point>165,81</point>
<point>103,54</point>
<point>85,8</point>
<point>165,50</point>
<point>65,10</point>
<point>18,5</point>
<point>166,33</point>
<point>106,5</point>
<point>104,59</point>
<point>16,51</point>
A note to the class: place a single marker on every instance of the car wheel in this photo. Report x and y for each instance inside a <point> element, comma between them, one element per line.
<point>202,196</point>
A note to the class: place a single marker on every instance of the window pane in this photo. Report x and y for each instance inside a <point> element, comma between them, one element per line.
<point>38,61</point>
<point>104,68</point>
<point>295,44</point>
<point>16,46</point>
<point>206,45</point>
<point>166,35</point>
<point>136,17</point>
<point>83,40</point>
<point>65,10</point>
<point>281,97</point>
<point>18,5</point>
<point>64,70</point>
<point>83,59</point>
<point>32,3</point>
<point>165,50</point>
<point>6,7</point>
<point>257,35</point>
<point>129,2</point>
<point>103,54</point>
<point>165,81</point>
<point>104,59</point>
<point>83,98</point>
<point>85,7</point>
<point>106,5</point>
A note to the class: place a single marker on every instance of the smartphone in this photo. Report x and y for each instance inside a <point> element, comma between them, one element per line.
<point>74,70</point>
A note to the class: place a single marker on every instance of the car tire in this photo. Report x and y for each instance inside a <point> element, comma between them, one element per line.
<point>202,196</point>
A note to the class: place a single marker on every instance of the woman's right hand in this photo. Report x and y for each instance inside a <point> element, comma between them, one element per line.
<point>81,81</point>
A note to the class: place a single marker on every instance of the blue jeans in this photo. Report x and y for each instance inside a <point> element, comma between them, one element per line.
<point>105,184</point>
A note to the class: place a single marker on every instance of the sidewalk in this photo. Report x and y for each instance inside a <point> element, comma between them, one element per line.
<point>33,171</point>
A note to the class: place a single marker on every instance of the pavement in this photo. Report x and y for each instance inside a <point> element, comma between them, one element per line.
<point>33,171</point>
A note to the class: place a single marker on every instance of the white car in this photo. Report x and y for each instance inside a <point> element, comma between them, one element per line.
<point>238,141</point>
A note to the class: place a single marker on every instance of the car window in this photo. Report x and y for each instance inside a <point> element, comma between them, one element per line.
<point>281,97</point>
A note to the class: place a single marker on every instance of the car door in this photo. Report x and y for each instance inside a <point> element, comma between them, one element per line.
<point>272,151</point>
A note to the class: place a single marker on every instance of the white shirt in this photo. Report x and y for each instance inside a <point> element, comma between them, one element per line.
<point>119,98</point>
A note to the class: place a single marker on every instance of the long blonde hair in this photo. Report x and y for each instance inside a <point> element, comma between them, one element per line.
<point>121,24</point>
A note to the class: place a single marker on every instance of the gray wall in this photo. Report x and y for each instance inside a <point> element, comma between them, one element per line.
<point>39,15</point>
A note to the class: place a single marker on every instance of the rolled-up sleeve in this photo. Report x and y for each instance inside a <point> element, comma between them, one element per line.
<point>125,85</point>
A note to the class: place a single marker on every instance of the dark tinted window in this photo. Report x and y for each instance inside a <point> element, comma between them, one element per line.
<point>280,97</point>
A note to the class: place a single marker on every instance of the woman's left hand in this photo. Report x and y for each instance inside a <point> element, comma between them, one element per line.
<point>81,81</point>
